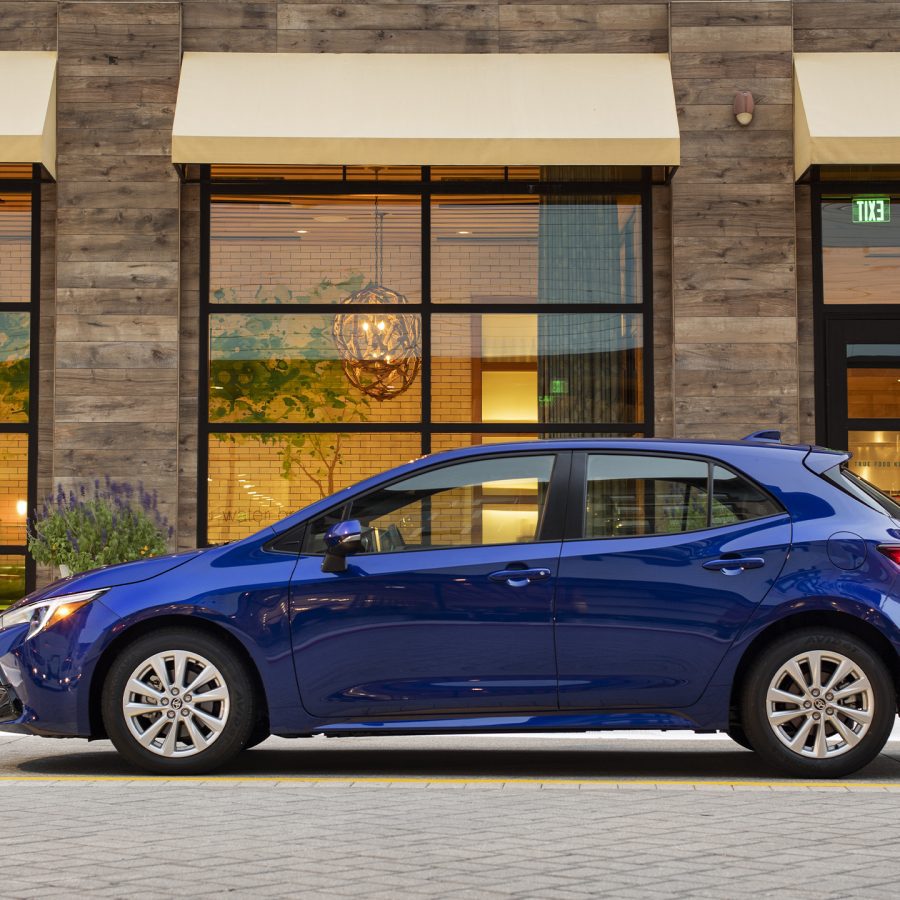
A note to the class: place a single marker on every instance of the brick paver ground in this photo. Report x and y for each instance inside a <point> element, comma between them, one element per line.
<point>443,817</point>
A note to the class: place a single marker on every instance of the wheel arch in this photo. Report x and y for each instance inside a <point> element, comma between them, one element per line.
<point>841,621</point>
<point>148,626</point>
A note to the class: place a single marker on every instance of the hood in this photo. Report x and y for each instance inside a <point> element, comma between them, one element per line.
<point>111,576</point>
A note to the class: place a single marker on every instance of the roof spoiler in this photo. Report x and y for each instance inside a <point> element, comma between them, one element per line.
<point>821,459</point>
<point>772,437</point>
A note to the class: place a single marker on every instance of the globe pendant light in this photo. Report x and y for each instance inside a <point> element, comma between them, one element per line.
<point>379,351</point>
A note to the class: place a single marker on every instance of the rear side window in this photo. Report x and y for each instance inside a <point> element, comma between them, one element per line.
<point>639,495</point>
<point>735,499</point>
<point>863,491</point>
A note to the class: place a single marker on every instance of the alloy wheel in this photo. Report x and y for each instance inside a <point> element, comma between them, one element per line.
<point>820,704</point>
<point>176,703</point>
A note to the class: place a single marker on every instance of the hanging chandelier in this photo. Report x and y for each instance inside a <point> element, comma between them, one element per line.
<point>379,350</point>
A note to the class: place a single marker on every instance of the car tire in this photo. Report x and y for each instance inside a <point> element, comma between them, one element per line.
<point>153,707</point>
<point>739,736</point>
<point>259,734</point>
<point>843,712</point>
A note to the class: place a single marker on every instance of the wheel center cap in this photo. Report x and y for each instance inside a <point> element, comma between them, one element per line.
<point>819,703</point>
<point>176,703</point>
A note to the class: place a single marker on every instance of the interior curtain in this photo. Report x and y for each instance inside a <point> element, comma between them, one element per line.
<point>588,364</point>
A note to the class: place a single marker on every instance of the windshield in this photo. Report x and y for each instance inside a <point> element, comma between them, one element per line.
<point>864,491</point>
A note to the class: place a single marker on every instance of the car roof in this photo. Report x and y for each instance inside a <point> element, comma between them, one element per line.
<point>656,443</point>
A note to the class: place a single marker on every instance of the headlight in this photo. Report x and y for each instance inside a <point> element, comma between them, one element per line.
<point>45,613</point>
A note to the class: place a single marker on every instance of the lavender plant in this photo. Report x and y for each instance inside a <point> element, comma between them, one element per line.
<point>81,530</point>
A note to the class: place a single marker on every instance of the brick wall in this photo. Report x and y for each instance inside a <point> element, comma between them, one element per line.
<point>15,260</point>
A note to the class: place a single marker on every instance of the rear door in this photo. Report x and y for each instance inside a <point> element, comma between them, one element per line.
<point>673,555</point>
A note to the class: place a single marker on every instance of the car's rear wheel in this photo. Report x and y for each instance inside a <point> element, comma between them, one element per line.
<point>818,703</point>
<point>178,702</point>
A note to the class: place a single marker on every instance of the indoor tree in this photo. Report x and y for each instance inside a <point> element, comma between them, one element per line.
<point>262,373</point>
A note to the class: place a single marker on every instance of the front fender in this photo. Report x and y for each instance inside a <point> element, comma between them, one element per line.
<point>255,618</point>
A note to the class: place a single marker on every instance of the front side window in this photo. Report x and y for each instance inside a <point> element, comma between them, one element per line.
<point>478,503</point>
<point>358,318</point>
<point>641,495</point>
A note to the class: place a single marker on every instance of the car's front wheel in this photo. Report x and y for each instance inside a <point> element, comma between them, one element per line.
<point>178,702</point>
<point>818,703</point>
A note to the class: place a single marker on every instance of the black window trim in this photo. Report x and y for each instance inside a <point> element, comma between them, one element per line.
<point>575,521</point>
<point>550,529</point>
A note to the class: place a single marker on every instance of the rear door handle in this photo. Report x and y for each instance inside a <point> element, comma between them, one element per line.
<point>519,577</point>
<point>735,565</point>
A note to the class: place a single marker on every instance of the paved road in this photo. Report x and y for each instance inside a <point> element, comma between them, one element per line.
<point>553,816</point>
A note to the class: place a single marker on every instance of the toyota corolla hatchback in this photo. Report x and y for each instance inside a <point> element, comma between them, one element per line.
<point>748,587</point>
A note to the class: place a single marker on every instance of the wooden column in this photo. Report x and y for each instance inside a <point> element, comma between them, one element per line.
<point>733,224</point>
<point>117,239</point>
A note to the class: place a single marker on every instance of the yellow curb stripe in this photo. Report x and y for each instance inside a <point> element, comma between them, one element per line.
<point>299,779</point>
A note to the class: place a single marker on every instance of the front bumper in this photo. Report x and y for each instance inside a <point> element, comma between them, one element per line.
<point>45,683</point>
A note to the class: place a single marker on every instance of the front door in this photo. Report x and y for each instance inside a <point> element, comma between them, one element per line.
<point>674,555</point>
<point>862,397</point>
<point>450,608</point>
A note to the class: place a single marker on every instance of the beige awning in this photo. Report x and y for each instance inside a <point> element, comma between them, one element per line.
<point>426,109</point>
<point>845,109</point>
<point>28,107</point>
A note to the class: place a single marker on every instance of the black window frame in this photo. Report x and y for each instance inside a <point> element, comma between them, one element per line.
<point>30,186</point>
<point>426,426</point>
<point>577,516</point>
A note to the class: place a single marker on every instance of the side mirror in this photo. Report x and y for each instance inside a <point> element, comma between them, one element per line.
<point>341,540</point>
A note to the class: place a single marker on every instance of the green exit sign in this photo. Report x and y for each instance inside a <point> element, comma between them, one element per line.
<point>871,210</point>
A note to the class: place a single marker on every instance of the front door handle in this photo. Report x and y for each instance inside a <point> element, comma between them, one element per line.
<point>519,577</point>
<point>735,565</point>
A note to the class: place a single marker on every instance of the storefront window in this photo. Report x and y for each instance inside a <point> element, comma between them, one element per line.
<point>17,295</point>
<point>554,368</point>
<point>861,248</point>
<point>873,381</point>
<point>499,250</point>
<point>257,478</point>
<point>347,332</point>
<point>876,457</point>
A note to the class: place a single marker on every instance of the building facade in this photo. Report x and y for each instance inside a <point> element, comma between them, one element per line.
<point>245,335</point>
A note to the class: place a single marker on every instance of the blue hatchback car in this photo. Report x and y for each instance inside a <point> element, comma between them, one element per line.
<point>749,587</point>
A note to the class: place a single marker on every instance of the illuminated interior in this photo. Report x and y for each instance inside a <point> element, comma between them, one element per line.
<point>15,370</point>
<point>876,457</point>
<point>513,291</point>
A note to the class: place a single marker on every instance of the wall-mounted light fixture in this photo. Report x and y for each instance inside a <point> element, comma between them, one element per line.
<point>743,107</point>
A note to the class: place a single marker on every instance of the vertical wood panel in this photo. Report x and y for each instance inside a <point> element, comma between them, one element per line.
<point>117,234</point>
<point>734,232</point>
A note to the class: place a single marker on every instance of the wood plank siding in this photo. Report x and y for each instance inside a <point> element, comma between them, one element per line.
<point>732,247</point>
<point>733,227</point>
<point>117,246</point>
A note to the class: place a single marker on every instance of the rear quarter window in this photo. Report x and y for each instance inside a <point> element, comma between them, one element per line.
<point>862,490</point>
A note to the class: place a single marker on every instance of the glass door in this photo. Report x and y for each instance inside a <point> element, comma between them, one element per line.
<point>863,397</point>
